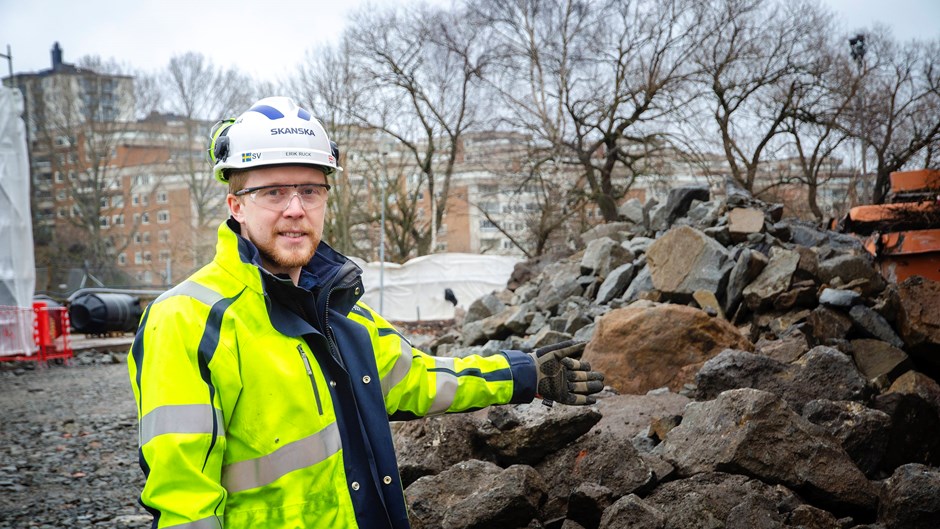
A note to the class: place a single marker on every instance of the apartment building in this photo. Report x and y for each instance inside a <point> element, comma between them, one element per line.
<point>114,199</point>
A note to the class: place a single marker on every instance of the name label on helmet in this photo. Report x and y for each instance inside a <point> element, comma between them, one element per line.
<point>298,153</point>
<point>293,130</point>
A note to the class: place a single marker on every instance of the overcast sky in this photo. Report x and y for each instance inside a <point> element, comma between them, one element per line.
<point>269,38</point>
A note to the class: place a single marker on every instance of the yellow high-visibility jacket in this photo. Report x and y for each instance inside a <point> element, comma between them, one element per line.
<point>266,405</point>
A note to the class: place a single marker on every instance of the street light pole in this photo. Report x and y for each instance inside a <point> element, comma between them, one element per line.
<point>9,58</point>
<point>383,183</point>
<point>382,257</point>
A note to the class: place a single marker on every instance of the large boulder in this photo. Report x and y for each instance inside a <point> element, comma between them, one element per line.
<point>644,348</point>
<point>878,360</point>
<point>754,433</point>
<point>476,494</point>
<point>431,445</point>
<point>862,431</point>
<point>743,222</point>
<point>632,512</point>
<point>484,307</point>
<point>717,500</point>
<point>528,432</point>
<point>846,268</point>
<point>559,282</point>
<point>603,255</point>
<point>630,415</point>
<point>911,498</point>
<point>773,280</point>
<point>748,265</point>
<point>601,457</point>
<point>919,317</point>
<point>685,260</point>
<point>616,282</point>
<point>822,373</point>
<point>912,404</point>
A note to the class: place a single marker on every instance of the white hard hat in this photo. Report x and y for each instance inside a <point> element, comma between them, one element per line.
<point>273,131</point>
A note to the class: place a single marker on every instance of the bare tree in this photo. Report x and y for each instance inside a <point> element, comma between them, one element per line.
<point>80,125</point>
<point>423,65</point>
<point>200,94</point>
<point>330,83</point>
<point>898,122</point>
<point>594,82</point>
<point>537,198</point>
<point>753,64</point>
<point>821,102</point>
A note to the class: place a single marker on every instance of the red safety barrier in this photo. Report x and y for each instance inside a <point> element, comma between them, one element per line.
<point>40,333</point>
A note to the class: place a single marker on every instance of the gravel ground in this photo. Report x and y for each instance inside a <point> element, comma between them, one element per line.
<point>68,445</point>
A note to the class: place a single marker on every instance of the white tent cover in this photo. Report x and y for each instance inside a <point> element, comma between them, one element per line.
<point>17,269</point>
<point>415,290</point>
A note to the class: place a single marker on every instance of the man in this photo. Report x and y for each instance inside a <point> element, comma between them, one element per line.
<point>264,387</point>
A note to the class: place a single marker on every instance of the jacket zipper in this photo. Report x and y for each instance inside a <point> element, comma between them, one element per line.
<point>313,383</point>
<point>326,320</point>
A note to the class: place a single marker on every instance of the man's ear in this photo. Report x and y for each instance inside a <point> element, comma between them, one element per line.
<point>235,207</point>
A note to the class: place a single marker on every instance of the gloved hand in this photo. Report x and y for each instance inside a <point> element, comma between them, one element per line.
<point>564,379</point>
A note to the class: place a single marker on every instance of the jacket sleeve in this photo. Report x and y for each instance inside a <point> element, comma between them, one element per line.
<point>173,367</point>
<point>416,383</point>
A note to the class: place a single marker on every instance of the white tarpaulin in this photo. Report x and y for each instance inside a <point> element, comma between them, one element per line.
<point>415,290</point>
<point>17,270</point>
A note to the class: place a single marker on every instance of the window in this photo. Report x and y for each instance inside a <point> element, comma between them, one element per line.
<point>117,201</point>
<point>145,218</point>
<point>164,256</point>
<point>58,177</point>
<point>135,200</point>
<point>105,222</point>
<point>138,258</point>
<point>63,212</point>
<point>147,237</point>
<point>165,236</point>
<point>144,200</point>
<point>487,225</point>
<point>147,258</point>
<point>163,216</point>
<point>122,259</point>
<point>60,194</point>
<point>103,202</point>
<point>118,220</point>
<point>162,197</point>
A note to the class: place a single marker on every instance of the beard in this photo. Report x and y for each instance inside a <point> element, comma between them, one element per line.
<point>284,258</point>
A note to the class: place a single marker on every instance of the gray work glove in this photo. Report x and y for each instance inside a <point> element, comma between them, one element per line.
<point>564,379</point>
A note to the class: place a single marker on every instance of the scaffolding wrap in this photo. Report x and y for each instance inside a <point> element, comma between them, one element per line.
<point>17,267</point>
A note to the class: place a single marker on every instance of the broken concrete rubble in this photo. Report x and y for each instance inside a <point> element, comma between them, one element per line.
<point>767,377</point>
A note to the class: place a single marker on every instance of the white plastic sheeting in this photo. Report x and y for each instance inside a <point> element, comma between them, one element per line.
<point>415,290</point>
<point>17,270</point>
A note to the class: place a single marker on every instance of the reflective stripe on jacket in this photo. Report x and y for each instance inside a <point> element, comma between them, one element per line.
<point>264,405</point>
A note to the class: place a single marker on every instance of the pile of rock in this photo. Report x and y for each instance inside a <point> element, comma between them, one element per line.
<point>761,374</point>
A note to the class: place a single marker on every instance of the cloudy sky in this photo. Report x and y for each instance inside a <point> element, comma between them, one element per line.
<point>268,38</point>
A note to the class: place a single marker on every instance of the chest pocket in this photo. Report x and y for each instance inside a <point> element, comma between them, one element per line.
<point>285,396</point>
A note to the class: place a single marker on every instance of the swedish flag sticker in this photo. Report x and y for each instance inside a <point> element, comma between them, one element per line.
<point>246,157</point>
